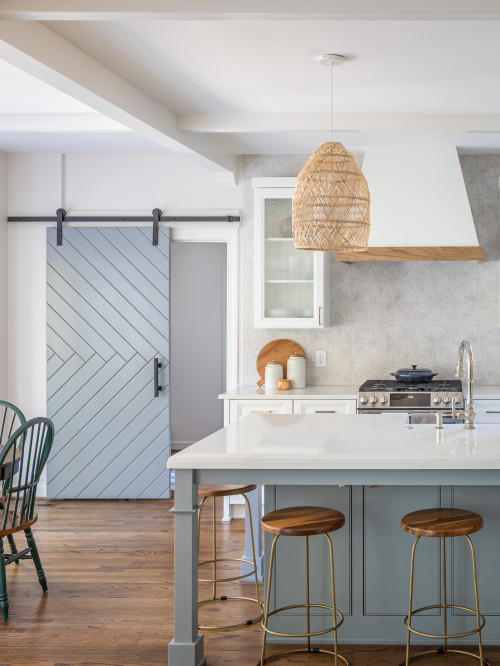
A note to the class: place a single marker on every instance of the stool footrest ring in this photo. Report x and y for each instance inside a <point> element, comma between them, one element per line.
<point>227,580</point>
<point>302,651</point>
<point>313,633</point>
<point>443,636</point>
<point>232,626</point>
<point>441,651</point>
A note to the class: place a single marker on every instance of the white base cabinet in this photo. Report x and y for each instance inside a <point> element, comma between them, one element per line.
<point>487,411</point>
<point>324,406</point>
<point>239,408</point>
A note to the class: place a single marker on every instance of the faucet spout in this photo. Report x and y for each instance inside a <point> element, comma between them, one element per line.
<point>469,413</point>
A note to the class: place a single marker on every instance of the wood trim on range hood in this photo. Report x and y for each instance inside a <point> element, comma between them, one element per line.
<point>457,253</point>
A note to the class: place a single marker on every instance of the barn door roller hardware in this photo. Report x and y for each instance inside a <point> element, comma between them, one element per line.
<point>61,214</point>
<point>156,217</point>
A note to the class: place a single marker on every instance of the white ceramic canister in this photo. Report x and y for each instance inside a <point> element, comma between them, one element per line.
<point>296,371</point>
<point>273,372</point>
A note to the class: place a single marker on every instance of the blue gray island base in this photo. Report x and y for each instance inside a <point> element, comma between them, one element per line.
<point>331,460</point>
<point>372,553</point>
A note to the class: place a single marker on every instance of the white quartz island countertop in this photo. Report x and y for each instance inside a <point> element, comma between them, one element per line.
<point>342,442</point>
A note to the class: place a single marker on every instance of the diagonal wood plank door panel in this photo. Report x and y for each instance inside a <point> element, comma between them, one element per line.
<point>108,318</point>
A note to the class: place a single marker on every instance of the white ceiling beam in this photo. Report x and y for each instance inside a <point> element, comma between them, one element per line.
<point>38,51</point>
<point>59,122</point>
<point>101,10</point>
<point>262,123</point>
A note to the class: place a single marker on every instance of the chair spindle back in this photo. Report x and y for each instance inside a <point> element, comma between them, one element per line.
<point>31,444</point>
<point>11,418</point>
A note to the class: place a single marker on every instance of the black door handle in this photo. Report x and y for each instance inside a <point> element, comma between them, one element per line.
<point>157,367</point>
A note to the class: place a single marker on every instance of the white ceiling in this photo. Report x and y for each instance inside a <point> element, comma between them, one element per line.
<point>150,76</point>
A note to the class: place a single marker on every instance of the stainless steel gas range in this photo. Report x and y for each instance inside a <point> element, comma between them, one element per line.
<point>377,396</point>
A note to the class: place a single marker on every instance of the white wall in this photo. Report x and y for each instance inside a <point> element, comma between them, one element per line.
<point>3,276</point>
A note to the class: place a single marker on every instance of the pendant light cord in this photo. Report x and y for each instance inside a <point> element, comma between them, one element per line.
<point>331,99</point>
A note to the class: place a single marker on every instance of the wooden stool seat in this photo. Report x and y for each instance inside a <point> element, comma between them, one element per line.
<point>303,521</point>
<point>225,490</point>
<point>441,522</point>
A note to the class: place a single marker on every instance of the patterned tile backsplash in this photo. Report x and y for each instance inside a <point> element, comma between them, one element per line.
<point>387,315</point>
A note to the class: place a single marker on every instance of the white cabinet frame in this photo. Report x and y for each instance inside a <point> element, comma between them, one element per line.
<point>276,188</point>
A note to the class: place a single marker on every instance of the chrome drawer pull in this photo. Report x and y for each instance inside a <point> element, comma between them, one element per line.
<point>260,411</point>
<point>493,411</point>
<point>325,411</point>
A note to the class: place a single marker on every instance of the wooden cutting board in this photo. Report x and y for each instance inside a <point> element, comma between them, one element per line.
<point>277,350</point>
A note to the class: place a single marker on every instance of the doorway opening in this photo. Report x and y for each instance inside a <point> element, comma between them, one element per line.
<point>198,339</point>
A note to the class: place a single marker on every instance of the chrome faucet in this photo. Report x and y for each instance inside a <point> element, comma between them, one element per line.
<point>469,412</point>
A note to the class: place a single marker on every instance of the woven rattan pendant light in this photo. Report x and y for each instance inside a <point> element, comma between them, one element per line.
<point>331,201</point>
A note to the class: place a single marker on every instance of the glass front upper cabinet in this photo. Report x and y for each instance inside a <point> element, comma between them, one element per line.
<point>291,286</point>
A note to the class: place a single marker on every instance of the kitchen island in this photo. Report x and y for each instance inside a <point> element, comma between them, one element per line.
<point>335,460</point>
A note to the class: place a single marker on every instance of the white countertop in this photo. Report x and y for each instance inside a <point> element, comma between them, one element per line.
<point>254,392</point>
<point>341,441</point>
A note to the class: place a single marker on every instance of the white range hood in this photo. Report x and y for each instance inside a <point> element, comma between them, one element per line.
<point>419,206</point>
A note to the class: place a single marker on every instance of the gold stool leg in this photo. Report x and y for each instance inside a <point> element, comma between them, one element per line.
<point>250,520</point>
<point>334,605</point>
<point>474,573</point>
<point>200,507</point>
<point>443,566</point>
<point>268,595</point>
<point>214,550</point>
<point>308,607</point>
<point>412,571</point>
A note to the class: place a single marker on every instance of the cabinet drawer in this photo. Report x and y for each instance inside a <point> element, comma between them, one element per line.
<point>487,411</point>
<point>239,408</point>
<point>324,406</point>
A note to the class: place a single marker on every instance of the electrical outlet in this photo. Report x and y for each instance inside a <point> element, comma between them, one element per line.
<point>321,359</point>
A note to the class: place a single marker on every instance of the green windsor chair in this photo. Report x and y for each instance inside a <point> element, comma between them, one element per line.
<point>25,453</point>
<point>11,417</point>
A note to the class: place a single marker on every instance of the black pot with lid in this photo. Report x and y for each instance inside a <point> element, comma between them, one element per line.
<point>413,375</point>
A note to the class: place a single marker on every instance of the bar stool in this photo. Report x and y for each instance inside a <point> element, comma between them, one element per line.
<point>302,521</point>
<point>442,523</point>
<point>226,491</point>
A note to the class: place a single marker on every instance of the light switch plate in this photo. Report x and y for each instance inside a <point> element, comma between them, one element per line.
<point>321,359</point>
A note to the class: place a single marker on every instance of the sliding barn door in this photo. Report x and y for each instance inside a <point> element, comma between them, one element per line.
<point>108,312</point>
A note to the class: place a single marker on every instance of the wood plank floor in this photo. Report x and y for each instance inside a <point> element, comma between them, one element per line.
<point>109,567</point>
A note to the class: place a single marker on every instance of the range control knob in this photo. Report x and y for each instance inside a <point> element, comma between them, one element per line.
<point>436,400</point>
<point>446,399</point>
<point>373,399</point>
<point>363,400</point>
<point>383,399</point>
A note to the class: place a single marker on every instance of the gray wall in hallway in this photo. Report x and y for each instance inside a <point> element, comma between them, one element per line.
<point>386,315</point>
<point>198,344</point>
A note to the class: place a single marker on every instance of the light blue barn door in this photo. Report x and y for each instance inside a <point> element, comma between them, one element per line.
<point>108,312</point>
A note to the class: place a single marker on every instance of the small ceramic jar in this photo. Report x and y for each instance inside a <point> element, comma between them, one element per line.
<point>296,371</point>
<point>273,372</point>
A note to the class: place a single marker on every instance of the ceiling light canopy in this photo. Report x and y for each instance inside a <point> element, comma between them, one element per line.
<point>331,201</point>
